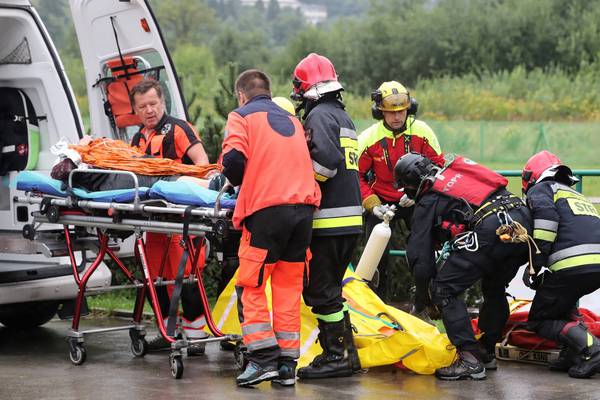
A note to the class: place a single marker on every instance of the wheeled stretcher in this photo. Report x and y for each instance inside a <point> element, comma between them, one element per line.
<point>167,207</point>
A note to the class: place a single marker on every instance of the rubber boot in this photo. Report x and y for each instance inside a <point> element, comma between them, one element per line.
<point>587,348</point>
<point>566,359</point>
<point>352,352</point>
<point>334,361</point>
<point>466,366</point>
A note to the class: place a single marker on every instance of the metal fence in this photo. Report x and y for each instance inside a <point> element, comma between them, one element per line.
<point>579,173</point>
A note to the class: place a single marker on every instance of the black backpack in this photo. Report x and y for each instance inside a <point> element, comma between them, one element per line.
<point>19,131</point>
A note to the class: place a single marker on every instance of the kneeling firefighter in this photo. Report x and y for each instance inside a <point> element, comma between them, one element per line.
<point>445,200</point>
<point>337,223</point>
<point>566,228</point>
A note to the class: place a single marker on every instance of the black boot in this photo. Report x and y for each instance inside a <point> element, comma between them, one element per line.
<point>334,361</point>
<point>352,352</point>
<point>466,366</point>
<point>566,359</point>
<point>587,349</point>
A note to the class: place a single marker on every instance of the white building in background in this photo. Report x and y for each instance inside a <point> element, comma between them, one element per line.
<point>313,13</point>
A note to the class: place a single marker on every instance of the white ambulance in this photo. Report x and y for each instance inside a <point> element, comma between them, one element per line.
<point>120,44</point>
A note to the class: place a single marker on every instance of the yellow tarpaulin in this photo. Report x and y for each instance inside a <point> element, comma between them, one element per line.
<point>384,335</point>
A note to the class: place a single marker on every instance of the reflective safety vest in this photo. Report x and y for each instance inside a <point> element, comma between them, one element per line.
<point>566,226</point>
<point>465,179</point>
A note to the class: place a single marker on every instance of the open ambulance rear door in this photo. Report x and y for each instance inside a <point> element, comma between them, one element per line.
<point>120,44</point>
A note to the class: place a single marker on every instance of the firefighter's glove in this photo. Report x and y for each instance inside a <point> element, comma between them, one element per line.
<point>532,281</point>
<point>406,201</point>
<point>379,211</point>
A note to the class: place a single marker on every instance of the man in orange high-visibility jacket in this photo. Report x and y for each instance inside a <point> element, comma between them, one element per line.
<point>265,153</point>
<point>165,136</point>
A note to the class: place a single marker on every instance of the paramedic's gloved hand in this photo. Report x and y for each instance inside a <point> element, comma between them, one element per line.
<point>406,201</point>
<point>379,211</point>
<point>217,181</point>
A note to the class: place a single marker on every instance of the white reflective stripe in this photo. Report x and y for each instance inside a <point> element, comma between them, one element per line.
<point>292,353</point>
<point>574,251</point>
<point>287,335</point>
<point>338,212</point>
<point>9,149</point>
<point>262,344</point>
<point>198,323</point>
<point>321,170</point>
<point>309,340</point>
<point>195,333</point>
<point>559,186</point>
<point>230,303</point>
<point>349,133</point>
<point>545,224</point>
<point>253,328</point>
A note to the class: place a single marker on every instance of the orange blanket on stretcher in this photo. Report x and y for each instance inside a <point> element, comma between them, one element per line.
<point>116,154</point>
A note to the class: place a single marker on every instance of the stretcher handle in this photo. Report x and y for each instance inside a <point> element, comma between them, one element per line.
<point>136,199</point>
<point>223,190</point>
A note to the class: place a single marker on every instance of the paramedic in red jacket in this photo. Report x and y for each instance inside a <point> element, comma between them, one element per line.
<point>462,196</point>
<point>265,153</point>
<point>380,146</point>
<point>164,136</point>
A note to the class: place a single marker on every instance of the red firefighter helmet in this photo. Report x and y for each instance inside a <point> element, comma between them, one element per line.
<point>313,77</point>
<point>544,165</point>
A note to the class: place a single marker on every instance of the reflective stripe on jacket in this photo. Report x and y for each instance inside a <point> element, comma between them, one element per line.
<point>566,226</point>
<point>334,154</point>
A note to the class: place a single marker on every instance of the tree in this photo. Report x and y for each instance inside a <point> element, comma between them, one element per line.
<point>273,10</point>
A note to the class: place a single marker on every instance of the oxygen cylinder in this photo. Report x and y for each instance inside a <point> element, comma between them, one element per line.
<point>380,236</point>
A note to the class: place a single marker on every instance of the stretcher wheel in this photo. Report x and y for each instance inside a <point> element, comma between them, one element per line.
<point>53,214</point>
<point>139,347</point>
<point>77,354</point>
<point>176,366</point>
<point>221,228</point>
<point>240,354</point>
<point>28,232</point>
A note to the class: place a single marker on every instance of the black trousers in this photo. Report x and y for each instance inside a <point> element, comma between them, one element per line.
<point>495,263</point>
<point>330,258</point>
<point>382,287</point>
<point>555,302</point>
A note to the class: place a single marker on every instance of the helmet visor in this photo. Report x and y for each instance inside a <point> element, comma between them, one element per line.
<point>395,102</point>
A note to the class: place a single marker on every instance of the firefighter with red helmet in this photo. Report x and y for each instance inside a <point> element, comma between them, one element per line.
<point>274,211</point>
<point>337,223</point>
<point>380,146</point>
<point>566,229</point>
<point>162,135</point>
<point>462,204</point>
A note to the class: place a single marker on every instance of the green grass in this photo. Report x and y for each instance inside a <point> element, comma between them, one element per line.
<point>123,299</point>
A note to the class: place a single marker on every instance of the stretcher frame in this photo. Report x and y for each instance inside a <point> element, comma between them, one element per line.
<point>108,218</point>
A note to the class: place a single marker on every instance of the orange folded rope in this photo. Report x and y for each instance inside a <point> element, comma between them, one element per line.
<point>118,155</point>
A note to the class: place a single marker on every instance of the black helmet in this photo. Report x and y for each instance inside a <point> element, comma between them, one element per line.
<point>410,172</point>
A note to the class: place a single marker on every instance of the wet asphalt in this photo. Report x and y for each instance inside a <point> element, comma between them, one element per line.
<point>34,364</point>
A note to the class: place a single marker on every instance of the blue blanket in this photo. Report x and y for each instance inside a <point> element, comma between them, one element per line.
<point>175,192</point>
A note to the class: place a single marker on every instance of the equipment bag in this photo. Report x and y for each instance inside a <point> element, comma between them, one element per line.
<point>19,132</point>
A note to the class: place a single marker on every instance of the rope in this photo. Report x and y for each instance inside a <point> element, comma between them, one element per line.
<point>116,154</point>
<point>514,232</point>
